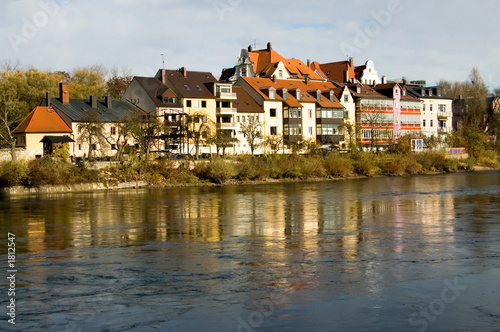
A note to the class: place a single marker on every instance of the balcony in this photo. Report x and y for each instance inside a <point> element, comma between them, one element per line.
<point>444,131</point>
<point>443,114</point>
<point>226,110</point>
<point>226,95</point>
<point>227,125</point>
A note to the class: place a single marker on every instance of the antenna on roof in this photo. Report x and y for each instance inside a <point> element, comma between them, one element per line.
<point>254,43</point>
<point>163,61</point>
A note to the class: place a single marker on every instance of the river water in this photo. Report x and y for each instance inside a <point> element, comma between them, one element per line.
<point>382,254</point>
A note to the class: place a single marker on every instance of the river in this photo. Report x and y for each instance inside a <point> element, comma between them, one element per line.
<point>417,253</point>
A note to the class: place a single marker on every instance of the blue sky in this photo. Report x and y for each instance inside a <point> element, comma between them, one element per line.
<point>423,39</point>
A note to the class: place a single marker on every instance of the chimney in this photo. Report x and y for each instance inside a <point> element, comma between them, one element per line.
<point>269,46</point>
<point>107,101</point>
<point>183,71</point>
<point>93,102</point>
<point>163,74</point>
<point>47,99</point>
<point>306,79</point>
<point>250,49</point>
<point>351,62</point>
<point>384,80</point>
<point>308,63</point>
<point>318,95</point>
<point>331,95</point>
<point>346,76</point>
<point>63,93</point>
<point>273,78</point>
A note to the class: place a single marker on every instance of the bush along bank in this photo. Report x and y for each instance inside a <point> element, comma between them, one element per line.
<point>236,169</point>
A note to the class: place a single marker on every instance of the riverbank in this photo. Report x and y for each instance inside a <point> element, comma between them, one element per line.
<point>19,191</point>
<point>48,175</point>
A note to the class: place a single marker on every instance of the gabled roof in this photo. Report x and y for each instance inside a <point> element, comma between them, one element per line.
<point>76,108</point>
<point>244,102</point>
<point>43,120</point>
<point>156,90</point>
<point>194,84</point>
<point>366,91</point>
<point>387,90</point>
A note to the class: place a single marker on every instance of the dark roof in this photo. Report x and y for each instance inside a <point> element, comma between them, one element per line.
<point>245,103</point>
<point>227,73</point>
<point>156,90</point>
<point>193,85</point>
<point>76,108</point>
<point>56,139</point>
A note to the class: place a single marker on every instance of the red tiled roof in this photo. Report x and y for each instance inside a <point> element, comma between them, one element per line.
<point>42,120</point>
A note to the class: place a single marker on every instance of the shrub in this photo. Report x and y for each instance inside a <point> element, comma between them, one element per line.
<point>488,158</point>
<point>220,170</point>
<point>13,173</point>
<point>366,164</point>
<point>393,165</point>
<point>250,168</point>
<point>412,166</point>
<point>312,166</point>
<point>338,165</point>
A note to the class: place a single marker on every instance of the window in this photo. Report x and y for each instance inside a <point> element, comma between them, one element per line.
<point>310,114</point>
<point>196,119</point>
<point>188,103</point>
<point>430,108</point>
<point>272,94</point>
<point>272,112</point>
<point>310,130</point>
<point>256,118</point>
<point>79,147</point>
<point>280,73</point>
<point>442,108</point>
<point>113,130</point>
<point>285,113</point>
<point>204,119</point>
<point>273,131</point>
<point>204,134</point>
<point>186,87</point>
<point>168,100</point>
<point>196,103</point>
<point>237,118</point>
<point>423,107</point>
<point>204,103</point>
<point>432,123</point>
<point>423,123</point>
<point>198,87</point>
<point>346,98</point>
<point>243,119</point>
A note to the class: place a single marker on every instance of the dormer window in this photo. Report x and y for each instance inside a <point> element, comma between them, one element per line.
<point>272,94</point>
<point>285,94</point>
<point>297,94</point>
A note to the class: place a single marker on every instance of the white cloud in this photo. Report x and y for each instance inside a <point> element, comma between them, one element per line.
<point>425,40</point>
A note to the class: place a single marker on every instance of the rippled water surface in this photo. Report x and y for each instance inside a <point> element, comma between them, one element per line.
<point>382,254</point>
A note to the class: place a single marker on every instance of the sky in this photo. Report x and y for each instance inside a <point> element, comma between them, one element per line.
<point>419,40</point>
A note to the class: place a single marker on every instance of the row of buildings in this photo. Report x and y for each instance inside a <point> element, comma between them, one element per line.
<point>333,104</point>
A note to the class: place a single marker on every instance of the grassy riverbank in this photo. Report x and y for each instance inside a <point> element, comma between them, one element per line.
<point>244,169</point>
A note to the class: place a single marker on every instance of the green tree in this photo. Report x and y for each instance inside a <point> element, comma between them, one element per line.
<point>86,82</point>
<point>13,107</point>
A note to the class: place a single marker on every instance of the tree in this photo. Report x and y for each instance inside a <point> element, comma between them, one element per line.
<point>146,130</point>
<point>91,132</point>
<point>274,142</point>
<point>12,106</point>
<point>118,82</point>
<point>351,131</point>
<point>475,91</point>
<point>198,128</point>
<point>120,138</point>
<point>378,126</point>
<point>222,139</point>
<point>252,131</point>
<point>86,82</point>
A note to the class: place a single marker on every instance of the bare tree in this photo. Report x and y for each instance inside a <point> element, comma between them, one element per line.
<point>146,129</point>
<point>252,131</point>
<point>274,142</point>
<point>222,139</point>
<point>377,125</point>
<point>198,128</point>
<point>91,132</point>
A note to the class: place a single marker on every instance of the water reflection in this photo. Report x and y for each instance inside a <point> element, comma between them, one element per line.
<point>239,244</point>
